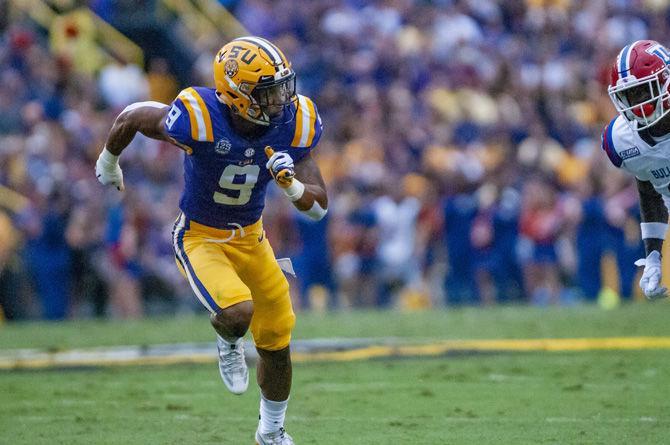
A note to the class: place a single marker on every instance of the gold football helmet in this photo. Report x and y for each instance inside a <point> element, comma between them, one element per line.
<point>255,80</point>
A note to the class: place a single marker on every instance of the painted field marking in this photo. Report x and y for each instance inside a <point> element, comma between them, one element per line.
<point>518,345</point>
<point>326,350</point>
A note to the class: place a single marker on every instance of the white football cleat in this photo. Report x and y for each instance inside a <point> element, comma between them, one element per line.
<point>232,366</point>
<point>279,437</point>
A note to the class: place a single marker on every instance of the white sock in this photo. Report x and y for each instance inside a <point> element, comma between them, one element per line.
<point>272,415</point>
<point>230,341</point>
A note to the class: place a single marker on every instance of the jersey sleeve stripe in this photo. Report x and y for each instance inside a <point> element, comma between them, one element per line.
<point>201,122</point>
<point>312,122</point>
<point>191,115</point>
<point>298,123</point>
<point>205,114</point>
<point>608,145</point>
<point>306,121</point>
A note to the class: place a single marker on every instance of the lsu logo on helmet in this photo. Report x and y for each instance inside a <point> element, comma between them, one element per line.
<point>255,80</point>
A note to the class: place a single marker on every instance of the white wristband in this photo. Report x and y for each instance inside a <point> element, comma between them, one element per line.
<point>294,191</point>
<point>108,157</point>
<point>316,212</point>
<point>653,230</point>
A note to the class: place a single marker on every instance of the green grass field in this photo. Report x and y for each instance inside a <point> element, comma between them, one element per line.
<point>588,397</point>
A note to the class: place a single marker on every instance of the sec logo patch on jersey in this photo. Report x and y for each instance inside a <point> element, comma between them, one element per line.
<point>223,146</point>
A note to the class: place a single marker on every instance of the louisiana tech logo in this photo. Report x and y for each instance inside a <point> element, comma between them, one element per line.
<point>223,146</point>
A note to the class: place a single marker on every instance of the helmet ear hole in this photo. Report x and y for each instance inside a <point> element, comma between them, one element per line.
<point>254,111</point>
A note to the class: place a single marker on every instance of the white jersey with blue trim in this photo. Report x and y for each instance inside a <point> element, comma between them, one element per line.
<point>648,160</point>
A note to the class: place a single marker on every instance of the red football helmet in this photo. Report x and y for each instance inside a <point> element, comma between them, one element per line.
<point>639,83</point>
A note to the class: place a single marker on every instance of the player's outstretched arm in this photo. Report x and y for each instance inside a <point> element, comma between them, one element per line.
<point>654,216</point>
<point>141,117</point>
<point>302,183</point>
<point>654,225</point>
<point>145,117</point>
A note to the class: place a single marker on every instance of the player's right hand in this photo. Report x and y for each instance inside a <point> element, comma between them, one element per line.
<point>651,277</point>
<point>108,171</point>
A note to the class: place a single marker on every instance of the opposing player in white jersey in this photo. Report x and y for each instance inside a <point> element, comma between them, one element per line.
<point>638,141</point>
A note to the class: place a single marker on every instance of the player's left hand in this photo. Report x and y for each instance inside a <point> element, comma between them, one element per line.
<point>651,277</point>
<point>281,167</point>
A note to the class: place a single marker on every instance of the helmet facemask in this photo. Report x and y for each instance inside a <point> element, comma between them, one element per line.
<point>273,101</point>
<point>643,101</point>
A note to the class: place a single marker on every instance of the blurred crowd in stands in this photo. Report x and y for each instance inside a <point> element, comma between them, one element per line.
<point>461,150</point>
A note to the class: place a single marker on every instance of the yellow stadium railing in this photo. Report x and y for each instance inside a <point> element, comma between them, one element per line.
<point>79,33</point>
<point>205,18</point>
<point>192,18</point>
<point>37,10</point>
<point>226,22</point>
<point>11,200</point>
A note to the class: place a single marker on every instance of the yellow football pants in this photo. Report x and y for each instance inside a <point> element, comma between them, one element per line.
<point>226,267</point>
